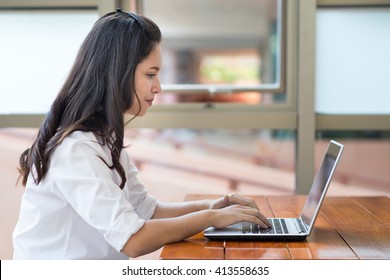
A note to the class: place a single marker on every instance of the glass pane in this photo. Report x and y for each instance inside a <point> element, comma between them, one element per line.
<point>364,166</point>
<point>218,51</point>
<point>177,162</point>
<point>352,61</point>
<point>37,51</point>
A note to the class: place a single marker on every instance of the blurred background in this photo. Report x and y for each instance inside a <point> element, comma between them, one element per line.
<point>253,90</point>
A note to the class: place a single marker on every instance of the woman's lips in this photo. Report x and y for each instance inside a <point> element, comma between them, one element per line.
<point>150,102</point>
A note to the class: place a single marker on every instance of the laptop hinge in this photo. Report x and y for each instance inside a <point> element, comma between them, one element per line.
<point>301,225</point>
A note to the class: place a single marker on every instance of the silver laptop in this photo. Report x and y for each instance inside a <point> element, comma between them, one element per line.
<point>288,228</point>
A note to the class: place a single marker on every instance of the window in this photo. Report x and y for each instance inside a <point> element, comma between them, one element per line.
<point>352,94</point>
<point>185,161</point>
<point>219,51</point>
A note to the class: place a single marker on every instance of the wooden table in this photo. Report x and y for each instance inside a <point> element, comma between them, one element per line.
<point>346,228</point>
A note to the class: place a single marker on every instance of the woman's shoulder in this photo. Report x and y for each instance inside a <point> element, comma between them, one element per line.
<point>77,136</point>
<point>80,139</point>
<point>87,143</point>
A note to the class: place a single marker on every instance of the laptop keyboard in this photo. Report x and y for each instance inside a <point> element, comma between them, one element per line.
<point>278,226</point>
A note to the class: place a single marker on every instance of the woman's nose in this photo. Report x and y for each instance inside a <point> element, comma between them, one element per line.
<point>157,86</point>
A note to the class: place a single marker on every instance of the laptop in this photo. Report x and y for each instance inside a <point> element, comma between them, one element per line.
<point>298,228</point>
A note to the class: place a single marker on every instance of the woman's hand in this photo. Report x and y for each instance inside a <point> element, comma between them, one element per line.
<point>234,208</point>
<point>232,199</point>
<point>238,213</point>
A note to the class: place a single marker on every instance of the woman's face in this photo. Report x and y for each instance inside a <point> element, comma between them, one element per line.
<point>147,82</point>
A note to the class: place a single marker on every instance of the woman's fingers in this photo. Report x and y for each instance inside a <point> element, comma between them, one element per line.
<point>250,214</point>
<point>220,202</point>
<point>236,208</point>
<point>237,199</point>
<point>263,220</point>
<point>260,219</point>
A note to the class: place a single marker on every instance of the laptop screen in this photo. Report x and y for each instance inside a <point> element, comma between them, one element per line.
<point>321,183</point>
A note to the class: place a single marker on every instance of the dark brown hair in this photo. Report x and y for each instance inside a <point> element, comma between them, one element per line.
<point>97,92</point>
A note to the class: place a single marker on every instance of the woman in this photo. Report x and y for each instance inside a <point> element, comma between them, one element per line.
<point>82,198</point>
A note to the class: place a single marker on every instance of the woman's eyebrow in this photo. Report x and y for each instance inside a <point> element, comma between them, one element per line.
<point>154,68</point>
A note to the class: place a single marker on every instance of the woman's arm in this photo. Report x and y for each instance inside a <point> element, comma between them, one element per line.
<point>157,232</point>
<point>175,209</point>
<point>172,209</point>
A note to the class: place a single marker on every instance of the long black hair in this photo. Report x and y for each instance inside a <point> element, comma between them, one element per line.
<point>97,92</point>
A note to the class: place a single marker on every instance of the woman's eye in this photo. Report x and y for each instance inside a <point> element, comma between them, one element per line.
<point>151,75</point>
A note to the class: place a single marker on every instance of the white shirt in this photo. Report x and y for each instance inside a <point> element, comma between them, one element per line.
<point>78,211</point>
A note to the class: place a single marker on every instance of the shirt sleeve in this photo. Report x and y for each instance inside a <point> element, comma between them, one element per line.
<point>83,180</point>
<point>144,204</point>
